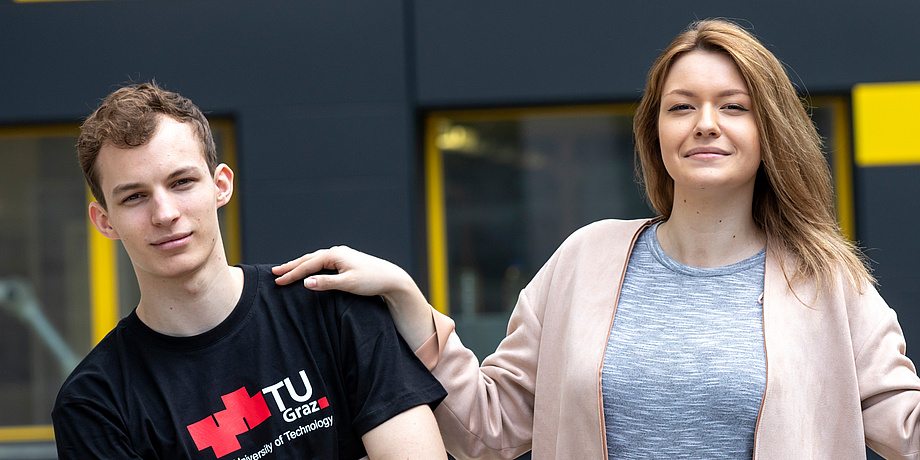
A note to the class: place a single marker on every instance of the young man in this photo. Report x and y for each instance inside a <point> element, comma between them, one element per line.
<point>218,361</point>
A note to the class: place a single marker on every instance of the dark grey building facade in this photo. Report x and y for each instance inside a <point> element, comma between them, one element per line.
<point>328,103</point>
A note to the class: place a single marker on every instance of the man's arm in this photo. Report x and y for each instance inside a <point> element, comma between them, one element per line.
<point>82,431</point>
<point>412,434</point>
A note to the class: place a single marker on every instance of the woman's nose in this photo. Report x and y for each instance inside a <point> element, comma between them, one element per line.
<point>707,124</point>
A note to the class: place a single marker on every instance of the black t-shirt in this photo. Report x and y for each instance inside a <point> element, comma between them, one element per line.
<point>291,373</point>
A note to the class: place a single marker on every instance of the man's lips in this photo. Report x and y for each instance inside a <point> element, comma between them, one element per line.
<point>171,241</point>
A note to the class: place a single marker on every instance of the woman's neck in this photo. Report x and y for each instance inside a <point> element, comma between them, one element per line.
<point>711,232</point>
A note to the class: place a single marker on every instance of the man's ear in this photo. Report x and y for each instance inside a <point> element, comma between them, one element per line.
<point>100,219</point>
<point>223,179</point>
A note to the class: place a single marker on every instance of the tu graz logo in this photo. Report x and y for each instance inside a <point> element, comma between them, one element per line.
<point>243,412</point>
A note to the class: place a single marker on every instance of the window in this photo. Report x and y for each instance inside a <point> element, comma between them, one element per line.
<point>45,306</point>
<point>831,115</point>
<point>506,187</point>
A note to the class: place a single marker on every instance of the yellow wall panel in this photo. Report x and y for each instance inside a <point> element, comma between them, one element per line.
<point>103,280</point>
<point>886,123</point>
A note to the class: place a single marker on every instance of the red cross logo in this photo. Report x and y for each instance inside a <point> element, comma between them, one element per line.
<point>219,431</point>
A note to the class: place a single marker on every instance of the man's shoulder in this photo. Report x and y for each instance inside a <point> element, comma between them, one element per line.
<point>265,279</point>
<point>295,306</point>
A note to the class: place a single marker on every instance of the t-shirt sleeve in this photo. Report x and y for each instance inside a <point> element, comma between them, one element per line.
<point>382,375</point>
<point>85,430</point>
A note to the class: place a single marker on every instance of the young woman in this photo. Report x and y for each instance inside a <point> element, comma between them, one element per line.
<point>737,324</point>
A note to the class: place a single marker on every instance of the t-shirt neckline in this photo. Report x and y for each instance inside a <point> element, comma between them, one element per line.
<point>654,247</point>
<point>137,328</point>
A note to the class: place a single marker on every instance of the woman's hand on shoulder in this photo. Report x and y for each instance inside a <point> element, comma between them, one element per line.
<point>357,272</point>
<point>364,274</point>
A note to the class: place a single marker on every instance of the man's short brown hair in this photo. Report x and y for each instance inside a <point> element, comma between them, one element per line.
<point>128,118</point>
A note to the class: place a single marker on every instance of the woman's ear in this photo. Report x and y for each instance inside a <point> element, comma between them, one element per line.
<point>223,179</point>
<point>100,219</point>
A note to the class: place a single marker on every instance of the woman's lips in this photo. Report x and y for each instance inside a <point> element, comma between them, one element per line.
<point>706,152</point>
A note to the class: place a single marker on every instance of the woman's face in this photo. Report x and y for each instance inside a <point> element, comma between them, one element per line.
<point>706,125</point>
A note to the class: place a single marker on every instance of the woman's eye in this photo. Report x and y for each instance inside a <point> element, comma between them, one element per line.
<point>738,107</point>
<point>677,107</point>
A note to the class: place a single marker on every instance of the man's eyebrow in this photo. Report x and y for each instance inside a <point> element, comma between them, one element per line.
<point>123,188</point>
<point>187,171</point>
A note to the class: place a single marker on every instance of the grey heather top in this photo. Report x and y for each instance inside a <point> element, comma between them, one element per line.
<point>684,371</point>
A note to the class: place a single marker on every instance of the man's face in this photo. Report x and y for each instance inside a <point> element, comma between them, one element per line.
<point>162,202</point>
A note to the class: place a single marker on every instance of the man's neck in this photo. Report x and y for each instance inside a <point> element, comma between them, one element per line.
<point>190,305</point>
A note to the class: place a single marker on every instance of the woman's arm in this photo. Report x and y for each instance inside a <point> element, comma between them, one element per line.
<point>363,274</point>
<point>888,383</point>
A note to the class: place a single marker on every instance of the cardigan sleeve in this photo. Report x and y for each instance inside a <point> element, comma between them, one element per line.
<point>430,351</point>
<point>488,412</point>
<point>489,409</point>
<point>888,383</point>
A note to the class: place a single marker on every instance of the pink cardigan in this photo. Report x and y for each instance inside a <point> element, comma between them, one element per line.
<point>837,377</point>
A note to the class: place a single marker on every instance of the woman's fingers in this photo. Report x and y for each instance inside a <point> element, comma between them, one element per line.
<point>356,272</point>
<point>301,267</point>
<point>329,282</point>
